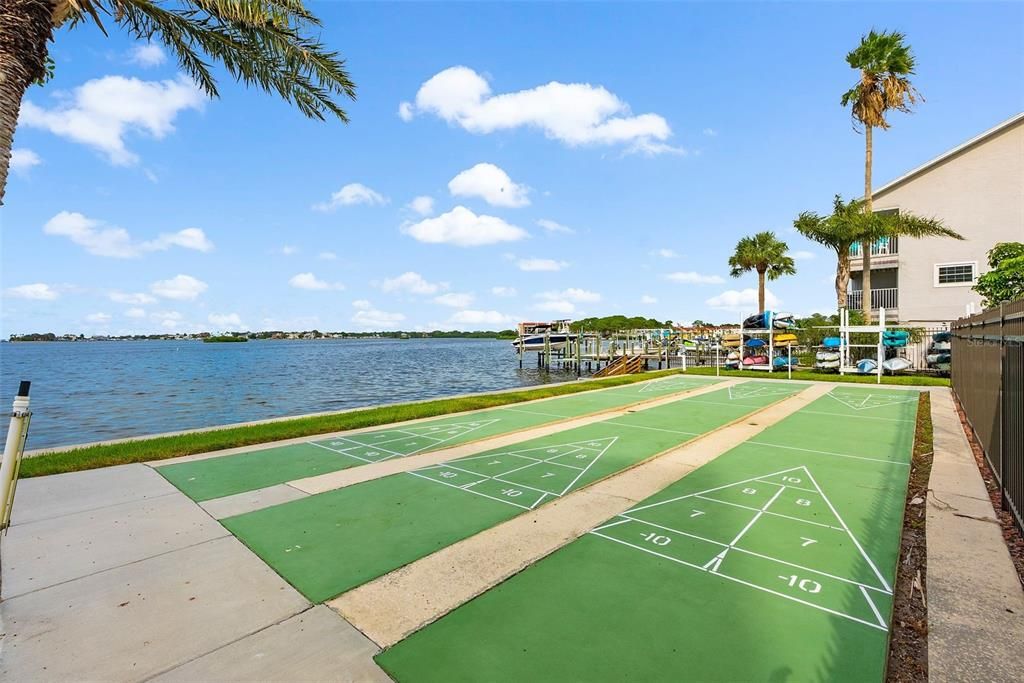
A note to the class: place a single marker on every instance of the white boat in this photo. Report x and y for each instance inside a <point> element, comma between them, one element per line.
<point>532,336</point>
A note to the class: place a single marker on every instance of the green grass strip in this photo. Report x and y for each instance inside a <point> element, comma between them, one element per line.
<point>903,380</point>
<point>163,447</point>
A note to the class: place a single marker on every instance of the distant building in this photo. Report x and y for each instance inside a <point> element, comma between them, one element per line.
<point>977,189</point>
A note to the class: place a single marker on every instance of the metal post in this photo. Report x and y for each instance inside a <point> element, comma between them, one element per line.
<point>789,361</point>
<point>17,433</point>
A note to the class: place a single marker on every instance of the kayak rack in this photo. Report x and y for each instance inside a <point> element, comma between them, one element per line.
<point>846,364</point>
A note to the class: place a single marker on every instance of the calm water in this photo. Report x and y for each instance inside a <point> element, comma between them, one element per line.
<point>85,392</point>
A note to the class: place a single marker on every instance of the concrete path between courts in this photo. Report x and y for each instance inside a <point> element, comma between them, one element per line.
<point>112,574</point>
<point>394,605</point>
<point>975,600</point>
<point>229,506</point>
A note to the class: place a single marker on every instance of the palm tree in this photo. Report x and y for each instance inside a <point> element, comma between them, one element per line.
<point>764,253</point>
<point>885,64</point>
<point>267,43</point>
<point>845,227</point>
<point>849,224</point>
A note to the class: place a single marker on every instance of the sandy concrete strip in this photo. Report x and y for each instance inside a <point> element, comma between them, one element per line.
<point>64,494</point>
<point>143,618</point>
<point>357,475</point>
<point>396,604</point>
<point>247,501</point>
<point>975,601</point>
<point>406,423</point>
<point>316,645</point>
<point>52,551</point>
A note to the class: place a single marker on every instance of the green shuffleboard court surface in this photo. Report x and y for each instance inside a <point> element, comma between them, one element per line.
<point>332,542</point>
<point>773,562</point>
<point>224,476</point>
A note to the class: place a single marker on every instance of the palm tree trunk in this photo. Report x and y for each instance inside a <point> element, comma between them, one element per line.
<point>865,247</point>
<point>842,277</point>
<point>760,291</point>
<point>25,28</point>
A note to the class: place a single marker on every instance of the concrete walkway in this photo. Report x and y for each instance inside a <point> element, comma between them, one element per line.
<point>113,574</point>
<point>975,601</point>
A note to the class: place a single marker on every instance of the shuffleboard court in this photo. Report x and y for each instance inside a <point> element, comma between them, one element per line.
<point>775,561</point>
<point>331,542</point>
<point>211,478</point>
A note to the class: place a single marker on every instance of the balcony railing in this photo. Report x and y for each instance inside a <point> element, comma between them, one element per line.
<point>886,298</point>
<point>886,246</point>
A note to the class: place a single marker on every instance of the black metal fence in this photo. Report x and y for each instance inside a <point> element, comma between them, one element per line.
<point>988,380</point>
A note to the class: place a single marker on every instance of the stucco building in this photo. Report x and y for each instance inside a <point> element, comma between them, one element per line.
<point>977,189</point>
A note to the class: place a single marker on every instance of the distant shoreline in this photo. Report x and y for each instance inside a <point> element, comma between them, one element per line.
<point>299,336</point>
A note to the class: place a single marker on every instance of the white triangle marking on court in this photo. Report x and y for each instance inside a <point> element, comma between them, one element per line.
<point>878,401</point>
<point>741,391</point>
<point>835,513</point>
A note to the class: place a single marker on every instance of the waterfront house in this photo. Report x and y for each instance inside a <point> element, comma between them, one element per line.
<point>977,189</point>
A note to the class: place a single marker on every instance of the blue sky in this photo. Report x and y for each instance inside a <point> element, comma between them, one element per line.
<point>586,159</point>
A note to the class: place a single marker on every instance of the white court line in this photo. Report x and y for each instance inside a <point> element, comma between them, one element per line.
<point>468,491</point>
<point>313,443</point>
<point>756,517</point>
<point>615,523</point>
<point>751,585</point>
<point>849,533</point>
<point>497,477</point>
<point>745,551</point>
<point>773,514</point>
<point>805,411</point>
<point>533,412</point>
<point>717,488</point>
<point>878,615</point>
<point>838,455</point>
<point>355,444</point>
<point>788,486</point>
<point>589,464</point>
<point>654,429</point>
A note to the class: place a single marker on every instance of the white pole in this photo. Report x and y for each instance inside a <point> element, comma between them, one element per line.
<point>12,452</point>
<point>718,361</point>
<point>789,361</point>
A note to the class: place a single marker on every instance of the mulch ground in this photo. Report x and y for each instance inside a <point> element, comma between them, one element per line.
<point>908,642</point>
<point>1011,533</point>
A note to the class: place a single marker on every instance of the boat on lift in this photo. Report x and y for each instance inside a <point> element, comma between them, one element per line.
<point>533,334</point>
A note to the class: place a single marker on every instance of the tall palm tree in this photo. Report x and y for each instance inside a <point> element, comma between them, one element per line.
<point>271,44</point>
<point>764,253</point>
<point>845,227</point>
<point>849,224</point>
<point>885,65</point>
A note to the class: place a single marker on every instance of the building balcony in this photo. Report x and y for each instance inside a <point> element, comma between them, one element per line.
<point>887,298</point>
<point>884,254</point>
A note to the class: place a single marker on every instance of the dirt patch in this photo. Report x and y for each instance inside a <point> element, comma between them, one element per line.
<point>908,642</point>
<point>1011,534</point>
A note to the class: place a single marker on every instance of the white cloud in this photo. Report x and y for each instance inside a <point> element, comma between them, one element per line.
<point>412,283</point>
<point>352,194</point>
<point>98,318</point>
<point>503,291</point>
<point>226,320</point>
<point>710,132</point>
<point>179,288</point>
<point>463,228</point>
<point>665,253</point>
<point>369,317</point>
<point>552,226</point>
<point>455,300</point>
<point>423,205</point>
<point>23,160</point>
<point>470,317</point>
<point>490,183</point>
<point>579,296</point>
<point>692,278</point>
<point>147,55</point>
<point>101,112</point>
<point>327,256</point>
<point>288,250</point>
<point>135,313</point>
<point>100,239</point>
<point>540,264</point>
<point>573,113</point>
<point>312,282</point>
<point>648,299</point>
<point>38,291</point>
<point>405,111</point>
<point>131,298</point>
<point>803,255</point>
<point>741,301</point>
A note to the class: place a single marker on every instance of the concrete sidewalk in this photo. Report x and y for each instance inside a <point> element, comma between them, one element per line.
<point>975,601</point>
<point>112,574</point>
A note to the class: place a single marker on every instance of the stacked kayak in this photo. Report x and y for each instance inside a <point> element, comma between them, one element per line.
<point>828,357</point>
<point>769,320</point>
<point>784,339</point>
<point>896,364</point>
<point>732,341</point>
<point>895,339</point>
<point>940,354</point>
